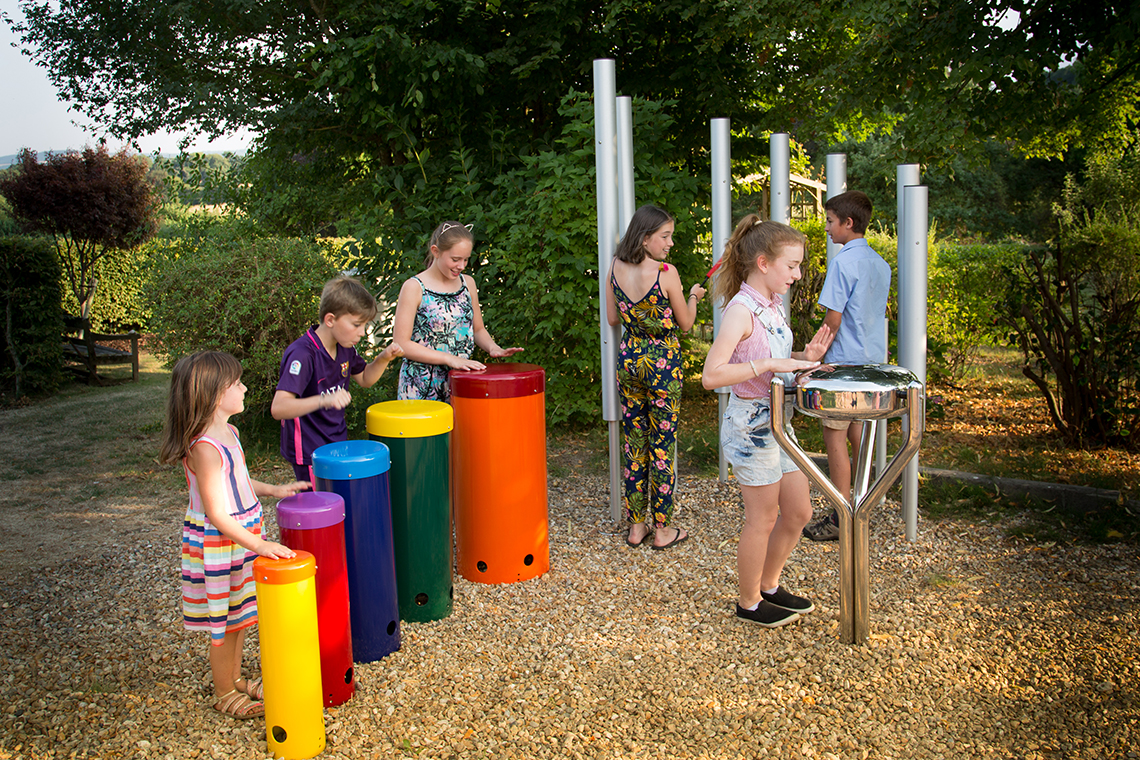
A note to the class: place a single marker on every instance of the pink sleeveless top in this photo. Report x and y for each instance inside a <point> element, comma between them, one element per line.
<point>771,338</point>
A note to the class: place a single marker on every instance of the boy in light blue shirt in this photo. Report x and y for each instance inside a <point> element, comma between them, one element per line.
<point>855,296</point>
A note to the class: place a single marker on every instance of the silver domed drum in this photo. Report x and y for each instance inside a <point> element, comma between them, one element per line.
<point>862,392</point>
<point>868,393</point>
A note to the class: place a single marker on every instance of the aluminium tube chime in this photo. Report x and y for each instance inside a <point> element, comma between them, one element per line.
<point>605,156</point>
<point>912,324</point>
<point>780,189</point>
<point>721,152</point>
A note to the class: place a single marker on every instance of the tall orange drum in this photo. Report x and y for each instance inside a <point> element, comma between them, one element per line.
<point>498,449</point>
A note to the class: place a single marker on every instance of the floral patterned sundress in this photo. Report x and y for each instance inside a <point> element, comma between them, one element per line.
<point>649,386</point>
<point>445,322</point>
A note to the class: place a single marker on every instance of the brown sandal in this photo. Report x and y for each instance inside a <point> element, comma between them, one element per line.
<point>238,705</point>
<point>254,689</point>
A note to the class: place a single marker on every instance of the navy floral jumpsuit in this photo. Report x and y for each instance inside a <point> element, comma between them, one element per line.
<point>649,385</point>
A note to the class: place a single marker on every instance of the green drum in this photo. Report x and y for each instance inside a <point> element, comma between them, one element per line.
<point>416,434</point>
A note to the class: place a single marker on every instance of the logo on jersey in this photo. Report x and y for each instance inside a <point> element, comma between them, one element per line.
<point>295,367</point>
<point>344,370</point>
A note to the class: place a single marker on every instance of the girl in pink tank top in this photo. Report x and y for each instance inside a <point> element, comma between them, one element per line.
<point>760,263</point>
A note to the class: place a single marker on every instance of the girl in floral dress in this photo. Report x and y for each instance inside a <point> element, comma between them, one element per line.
<point>647,298</point>
<point>438,321</point>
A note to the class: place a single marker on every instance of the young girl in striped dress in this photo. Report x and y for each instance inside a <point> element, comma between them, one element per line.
<point>221,534</point>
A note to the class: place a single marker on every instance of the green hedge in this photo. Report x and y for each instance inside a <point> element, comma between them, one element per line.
<point>31,322</point>
<point>119,303</point>
<point>250,297</point>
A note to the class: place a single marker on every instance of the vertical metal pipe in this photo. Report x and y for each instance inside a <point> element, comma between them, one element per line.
<point>836,169</point>
<point>780,187</point>
<point>780,163</point>
<point>905,175</point>
<point>721,154</point>
<point>912,326</point>
<point>626,201</point>
<point>605,156</point>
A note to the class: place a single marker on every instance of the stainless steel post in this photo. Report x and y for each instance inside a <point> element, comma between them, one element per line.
<point>836,168</point>
<point>871,394</point>
<point>605,156</point>
<point>721,154</point>
<point>905,174</point>
<point>912,325</point>
<point>780,188</point>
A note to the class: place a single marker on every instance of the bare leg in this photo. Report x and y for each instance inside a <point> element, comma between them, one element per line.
<point>761,510</point>
<point>794,514</point>
<point>225,662</point>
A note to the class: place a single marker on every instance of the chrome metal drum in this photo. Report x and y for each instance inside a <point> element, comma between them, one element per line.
<point>870,393</point>
<point>861,392</point>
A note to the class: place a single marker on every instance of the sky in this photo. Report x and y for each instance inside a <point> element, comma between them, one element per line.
<point>33,116</point>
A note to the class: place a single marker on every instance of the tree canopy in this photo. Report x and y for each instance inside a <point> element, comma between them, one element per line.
<point>390,80</point>
<point>90,202</point>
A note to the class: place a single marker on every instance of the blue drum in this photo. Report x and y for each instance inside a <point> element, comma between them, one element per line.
<point>357,471</point>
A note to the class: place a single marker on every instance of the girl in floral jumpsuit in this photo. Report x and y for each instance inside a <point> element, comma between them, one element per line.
<point>647,298</point>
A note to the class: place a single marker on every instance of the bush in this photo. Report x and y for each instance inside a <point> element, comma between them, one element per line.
<point>964,304</point>
<point>1074,308</point>
<point>536,245</point>
<point>90,202</point>
<point>31,319</point>
<point>251,298</point>
<point>119,304</point>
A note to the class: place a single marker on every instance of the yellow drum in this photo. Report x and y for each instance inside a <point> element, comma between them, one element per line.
<point>290,655</point>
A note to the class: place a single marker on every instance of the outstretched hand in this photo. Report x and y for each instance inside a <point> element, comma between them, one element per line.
<point>469,365</point>
<point>291,489</point>
<point>791,365</point>
<point>274,550</point>
<point>502,353</point>
<point>819,343</point>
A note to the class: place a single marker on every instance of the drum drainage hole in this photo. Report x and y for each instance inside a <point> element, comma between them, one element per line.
<point>482,566</point>
<point>279,734</point>
<point>421,599</point>
<point>391,627</point>
<point>528,560</point>
<point>348,676</point>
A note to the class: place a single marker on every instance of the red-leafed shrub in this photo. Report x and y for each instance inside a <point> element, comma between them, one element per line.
<point>92,203</point>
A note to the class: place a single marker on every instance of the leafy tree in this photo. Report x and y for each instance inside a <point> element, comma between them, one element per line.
<point>91,203</point>
<point>942,76</point>
<point>1074,309</point>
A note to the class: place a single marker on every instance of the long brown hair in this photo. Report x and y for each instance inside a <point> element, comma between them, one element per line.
<point>752,238</point>
<point>645,221</point>
<point>196,387</point>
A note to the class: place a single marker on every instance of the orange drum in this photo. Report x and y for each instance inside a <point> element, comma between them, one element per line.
<point>498,473</point>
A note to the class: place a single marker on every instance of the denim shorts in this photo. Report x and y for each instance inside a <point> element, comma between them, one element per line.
<point>748,444</point>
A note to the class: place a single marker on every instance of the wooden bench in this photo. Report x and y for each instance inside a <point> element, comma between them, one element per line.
<point>84,351</point>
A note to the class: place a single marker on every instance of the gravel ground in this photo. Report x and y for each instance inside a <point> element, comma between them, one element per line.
<point>982,646</point>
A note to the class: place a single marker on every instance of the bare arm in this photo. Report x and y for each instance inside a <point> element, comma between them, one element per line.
<point>735,327</point>
<point>612,315</point>
<point>206,463</point>
<point>287,406</point>
<point>684,307</point>
<point>376,367</point>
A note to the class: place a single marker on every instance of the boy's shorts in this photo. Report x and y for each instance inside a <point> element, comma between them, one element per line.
<point>835,424</point>
<point>748,444</point>
<point>304,472</point>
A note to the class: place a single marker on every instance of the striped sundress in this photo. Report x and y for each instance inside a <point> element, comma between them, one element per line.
<point>218,590</point>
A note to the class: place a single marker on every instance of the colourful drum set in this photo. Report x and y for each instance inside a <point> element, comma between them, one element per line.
<point>375,538</point>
